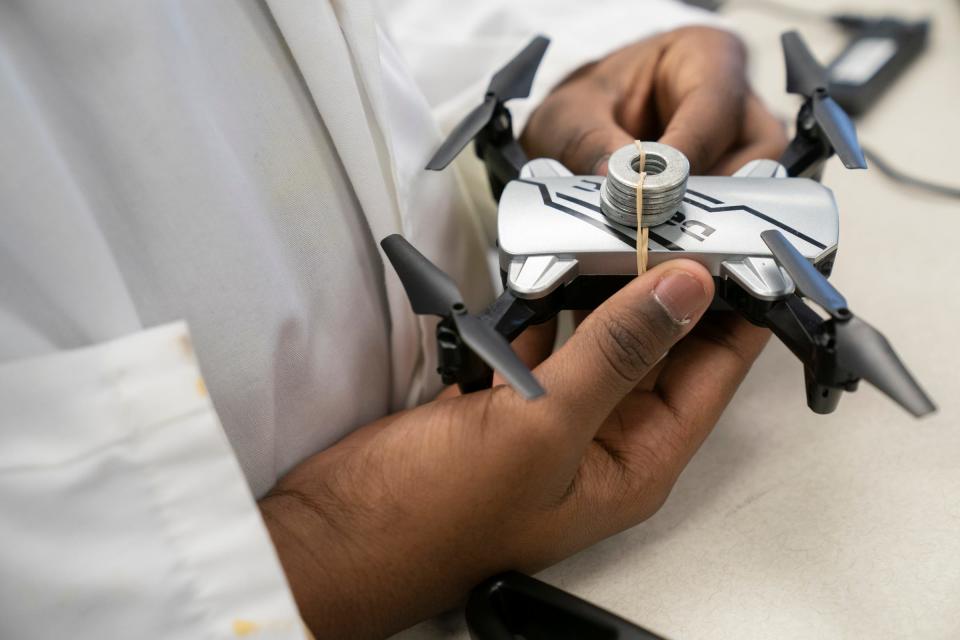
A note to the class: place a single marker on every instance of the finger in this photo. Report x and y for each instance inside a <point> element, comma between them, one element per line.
<point>649,381</point>
<point>763,135</point>
<point>577,126</point>
<point>696,383</point>
<point>704,126</point>
<point>700,94</point>
<point>621,341</point>
<point>701,377</point>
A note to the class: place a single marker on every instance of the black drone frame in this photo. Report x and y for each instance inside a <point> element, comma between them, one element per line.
<point>836,351</point>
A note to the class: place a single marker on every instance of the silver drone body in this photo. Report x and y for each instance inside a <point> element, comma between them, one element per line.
<point>552,230</point>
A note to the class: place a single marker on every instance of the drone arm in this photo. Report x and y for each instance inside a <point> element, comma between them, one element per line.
<point>808,151</point>
<point>501,153</point>
<point>509,315</point>
<point>795,324</point>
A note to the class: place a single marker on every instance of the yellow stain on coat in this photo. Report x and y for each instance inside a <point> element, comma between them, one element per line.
<point>186,345</point>
<point>245,627</point>
<point>201,387</point>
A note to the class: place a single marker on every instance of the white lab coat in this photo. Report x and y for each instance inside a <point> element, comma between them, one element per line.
<point>192,299</point>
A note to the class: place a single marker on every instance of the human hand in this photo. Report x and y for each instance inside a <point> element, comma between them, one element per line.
<point>687,88</point>
<point>399,520</point>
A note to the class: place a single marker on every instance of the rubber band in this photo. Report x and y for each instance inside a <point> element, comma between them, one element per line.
<point>643,237</point>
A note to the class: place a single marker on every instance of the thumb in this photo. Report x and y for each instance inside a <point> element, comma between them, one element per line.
<point>621,341</point>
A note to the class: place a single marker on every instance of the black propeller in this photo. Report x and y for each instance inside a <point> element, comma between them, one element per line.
<point>861,350</point>
<point>807,279</point>
<point>512,81</point>
<point>808,78</point>
<point>432,292</point>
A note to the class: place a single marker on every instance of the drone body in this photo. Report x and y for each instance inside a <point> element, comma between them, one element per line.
<point>551,229</point>
<point>768,235</point>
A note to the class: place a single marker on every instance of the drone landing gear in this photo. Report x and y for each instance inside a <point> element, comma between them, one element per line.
<point>812,341</point>
<point>821,398</point>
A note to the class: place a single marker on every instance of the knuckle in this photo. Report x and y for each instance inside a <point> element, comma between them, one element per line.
<point>630,347</point>
<point>716,39</point>
<point>584,148</point>
<point>633,489</point>
<point>695,32</point>
<point>708,55</point>
<point>650,478</point>
<point>643,466</point>
<point>499,403</point>
<point>775,145</point>
<point>733,350</point>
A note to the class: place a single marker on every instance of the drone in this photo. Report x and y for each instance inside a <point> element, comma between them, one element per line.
<point>768,234</point>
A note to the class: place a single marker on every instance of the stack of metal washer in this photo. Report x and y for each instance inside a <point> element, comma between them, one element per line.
<point>665,184</point>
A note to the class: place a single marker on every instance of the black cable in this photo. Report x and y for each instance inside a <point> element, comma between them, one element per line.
<point>850,22</point>
<point>898,176</point>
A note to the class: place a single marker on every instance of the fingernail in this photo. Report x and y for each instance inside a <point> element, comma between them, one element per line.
<point>681,296</point>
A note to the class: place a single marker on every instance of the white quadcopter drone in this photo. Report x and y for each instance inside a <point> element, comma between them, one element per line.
<point>768,234</point>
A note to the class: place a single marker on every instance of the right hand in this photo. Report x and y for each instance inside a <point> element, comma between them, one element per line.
<point>687,87</point>
<point>399,520</point>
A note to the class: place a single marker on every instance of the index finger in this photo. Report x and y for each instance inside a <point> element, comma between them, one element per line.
<point>702,90</point>
<point>762,136</point>
<point>704,372</point>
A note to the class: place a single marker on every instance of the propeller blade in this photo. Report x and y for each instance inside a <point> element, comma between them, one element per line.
<point>866,353</point>
<point>839,130</point>
<point>463,133</point>
<point>804,74</point>
<point>430,290</point>
<point>494,349</point>
<point>810,282</point>
<point>515,78</point>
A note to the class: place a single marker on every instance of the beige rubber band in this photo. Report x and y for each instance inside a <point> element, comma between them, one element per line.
<point>643,237</point>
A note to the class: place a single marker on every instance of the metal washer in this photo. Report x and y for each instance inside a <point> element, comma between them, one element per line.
<point>663,190</point>
<point>628,216</point>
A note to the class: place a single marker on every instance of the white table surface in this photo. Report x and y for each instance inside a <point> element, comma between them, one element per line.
<point>792,525</point>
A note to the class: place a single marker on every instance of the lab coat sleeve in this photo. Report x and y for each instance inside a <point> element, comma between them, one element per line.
<point>125,512</point>
<point>453,48</point>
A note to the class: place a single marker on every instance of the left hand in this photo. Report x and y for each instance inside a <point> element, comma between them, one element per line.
<point>397,521</point>
<point>687,88</point>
